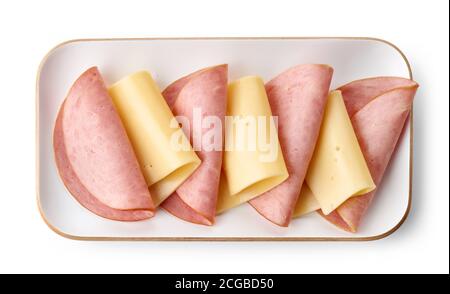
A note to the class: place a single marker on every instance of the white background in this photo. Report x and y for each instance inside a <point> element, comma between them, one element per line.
<point>29,29</point>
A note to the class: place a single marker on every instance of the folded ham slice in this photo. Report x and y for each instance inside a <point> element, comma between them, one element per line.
<point>378,108</point>
<point>298,97</point>
<point>195,200</point>
<point>94,156</point>
<point>360,92</point>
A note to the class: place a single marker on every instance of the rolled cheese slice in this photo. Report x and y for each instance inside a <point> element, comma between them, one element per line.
<point>253,162</point>
<point>306,203</point>
<point>338,169</point>
<point>163,151</point>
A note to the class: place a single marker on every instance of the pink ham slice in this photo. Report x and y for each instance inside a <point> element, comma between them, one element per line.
<point>94,157</point>
<point>298,97</point>
<point>360,92</point>
<point>378,108</point>
<point>195,200</point>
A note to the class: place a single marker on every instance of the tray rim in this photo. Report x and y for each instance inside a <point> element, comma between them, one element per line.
<point>219,239</point>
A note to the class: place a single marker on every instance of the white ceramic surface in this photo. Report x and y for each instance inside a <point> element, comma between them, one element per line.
<point>168,60</point>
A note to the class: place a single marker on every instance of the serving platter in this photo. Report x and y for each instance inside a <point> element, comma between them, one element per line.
<point>171,58</point>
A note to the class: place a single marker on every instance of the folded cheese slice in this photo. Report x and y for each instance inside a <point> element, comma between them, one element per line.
<point>253,162</point>
<point>337,170</point>
<point>163,151</point>
<point>378,108</point>
<point>94,156</point>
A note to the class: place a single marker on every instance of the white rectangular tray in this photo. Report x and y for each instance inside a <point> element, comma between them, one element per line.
<point>170,59</point>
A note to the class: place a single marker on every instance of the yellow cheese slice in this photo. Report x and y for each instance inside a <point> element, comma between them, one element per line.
<point>338,169</point>
<point>306,203</point>
<point>253,162</point>
<point>151,127</point>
